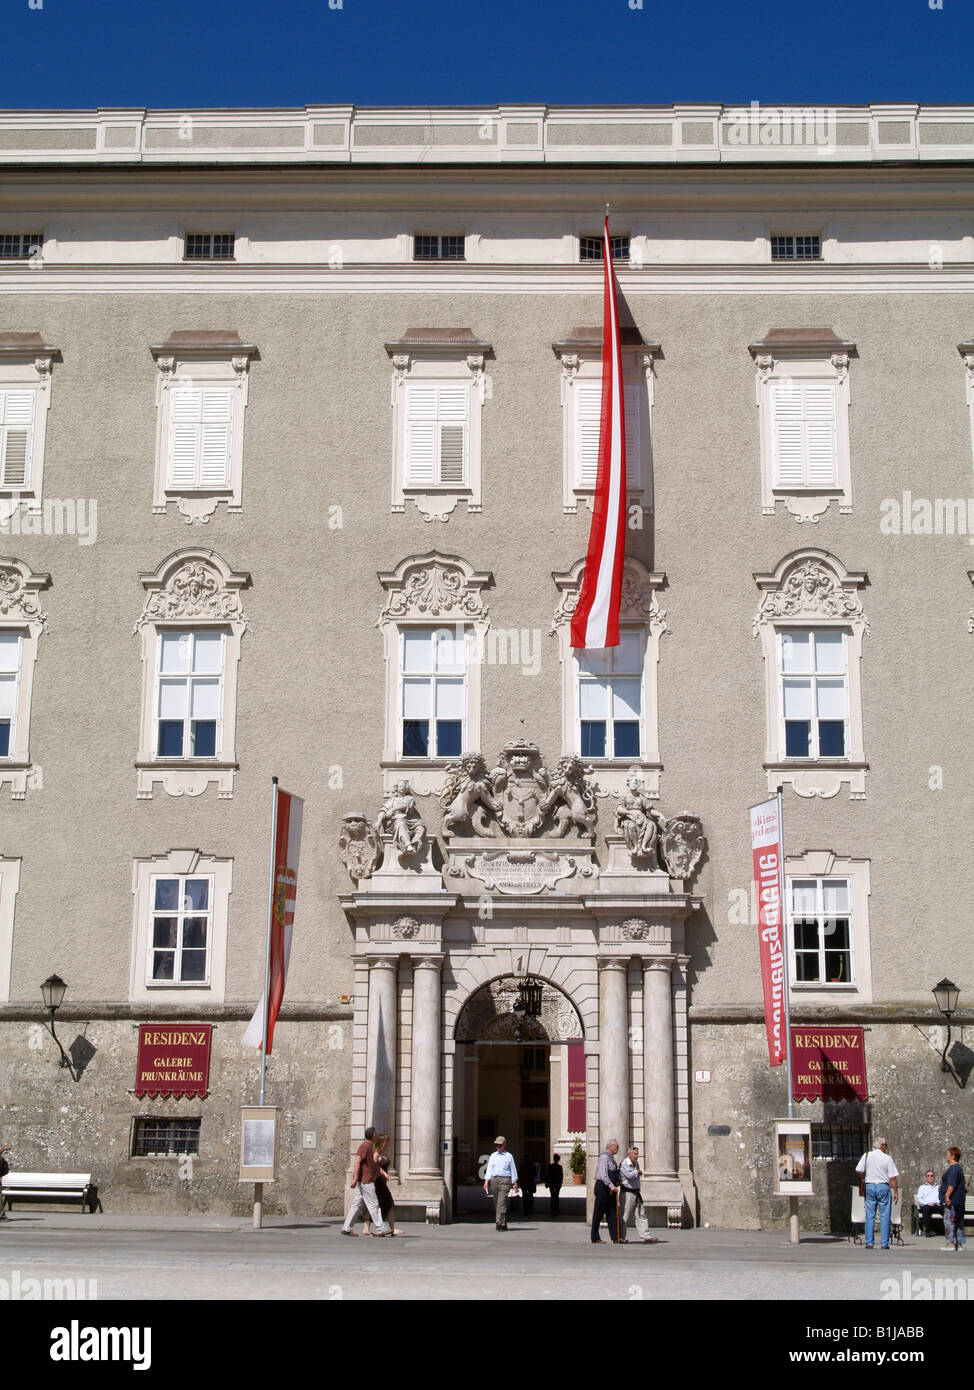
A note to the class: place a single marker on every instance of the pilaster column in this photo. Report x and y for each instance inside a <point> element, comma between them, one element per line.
<point>424,1108</point>
<point>380,1091</point>
<point>658,1066</point>
<point>614,1056</point>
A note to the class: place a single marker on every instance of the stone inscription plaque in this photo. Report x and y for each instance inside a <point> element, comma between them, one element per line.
<point>510,871</point>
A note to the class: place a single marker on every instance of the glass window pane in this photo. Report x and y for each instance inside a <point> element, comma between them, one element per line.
<point>417,650</point>
<point>196,895</point>
<point>837,967</point>
<point>451,650</point>
<point>162,965</point>
<point>806,934</point>
<point>449,699</point>
<point>170,738</point>
<point>593,739</point>
<point>627,657</point>
<point>194,932</point>
<point>836,933</point>
<point>208,652</point>
<point>835,892</point>
<point>829,651</point>
<point>831,699</point>
<point>593,699</point>
<point>798,733</point>
<point>625,698</point>
<point>625,738</point>
<point>798,699</point>
<point>415,738</point>
<point>417,698</point>
<point>596,661</point>
<point>164,931</point>
<point>8,693</point>
<point>204,738</point>
<point>806,966</point>
<point>206,700</point>
<point>795,651</point>
<point>4,738</point>
<point>175,651</point>
<point>172,699</point>
<point>449,738</point>
<point>167,894</point>
<point>804,897</point>
<point>9,651</point>
<point>831,738</point>
<point>193,965</point>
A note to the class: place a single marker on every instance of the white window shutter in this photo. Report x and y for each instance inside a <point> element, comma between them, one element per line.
<point>452,410</point>
<point>788,435</point>
<point>588,414</point>
<point>16,437</point>
<point>217,435</point>
<point>185,432</point>
<point>631,400</point>
<point>420,435</point>
<point>820,432</point>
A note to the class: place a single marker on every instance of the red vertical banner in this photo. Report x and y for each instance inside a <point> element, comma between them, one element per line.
<point>766,854</point>
<point>287,849</point>
<point>576,1087</point>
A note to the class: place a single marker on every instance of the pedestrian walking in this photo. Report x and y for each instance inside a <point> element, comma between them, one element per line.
<point>500,1180</point>
<point>364,1170</point>
<point>928,1200</point>
<point>953,1193</point>
<point>554,1177</point>
<point>878,1184</point>
<point>4,1170</point>
<point>606,1193</point>
<point>630,1174</point>
<point>529,1182</point>
<point>383,1191</point>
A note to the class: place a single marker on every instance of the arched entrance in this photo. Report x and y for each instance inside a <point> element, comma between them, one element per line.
<point>519,1070</point>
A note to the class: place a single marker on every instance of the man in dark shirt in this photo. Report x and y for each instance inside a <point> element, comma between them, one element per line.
<point>953,1192</point>
<point>363,1178</point>
<point>606,1193</point>
<point>554,1177</point>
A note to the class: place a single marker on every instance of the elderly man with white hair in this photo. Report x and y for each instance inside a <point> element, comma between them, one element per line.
<point>878,1184</point>
<point>607,1194</point>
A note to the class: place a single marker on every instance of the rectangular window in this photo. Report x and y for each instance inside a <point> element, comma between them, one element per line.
<point>588,416</point>
<point>209,246</point>
<point>804,430</point>
<point>820,920</point>
<point>182,910</point>
<point>842,1143</point>
<point>16,437</point>
<point>437,435</point>
<point>160,1137</point>
<point>433,680</point>
<point>200,437</point>
<point>796,248</point>
<point>610,699</point>
<point>814,682</point>
<point>590,248</point>
<point>10,658</point>
<point>20,246</point>
<point>189,694</point>
<point>437,247</point>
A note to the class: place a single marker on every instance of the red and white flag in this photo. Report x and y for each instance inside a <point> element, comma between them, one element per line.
<point>287,847</point>
<point>766,850</point>
<point>595,622</point>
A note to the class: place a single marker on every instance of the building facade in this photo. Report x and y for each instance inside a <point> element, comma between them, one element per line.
<point>298,420</point>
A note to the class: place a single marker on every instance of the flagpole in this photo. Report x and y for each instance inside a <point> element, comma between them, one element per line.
<point>259,1186</point>
<point>793,1235</point>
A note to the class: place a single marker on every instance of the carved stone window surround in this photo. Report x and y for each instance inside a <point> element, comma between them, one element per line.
<point>9,888</point>
<point>640,611</point>
<point>431,590</point>
<point>179,862</point>
<point>811,589</point>
<point>966,351</point>
<point>437,357</point>
<point>21,614</point>
<point>201,358</point>
<point>803,355</point>
<point>824,863</point>
<point>25,364</point>
<point>193,589</point>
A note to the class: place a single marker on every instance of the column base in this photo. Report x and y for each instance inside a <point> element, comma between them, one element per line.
<point>421,1197</point>
<point>665,1198</point>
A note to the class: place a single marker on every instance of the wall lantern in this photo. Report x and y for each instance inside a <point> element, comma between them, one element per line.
<point>53,991</point>
<point>946,994</point>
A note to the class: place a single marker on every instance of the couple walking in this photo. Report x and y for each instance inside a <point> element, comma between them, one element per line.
<point>373,1198</point>
<point>617,1196</point>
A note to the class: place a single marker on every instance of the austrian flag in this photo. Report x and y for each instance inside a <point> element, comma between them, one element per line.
<point>287,845</point>
<point>595,622</point>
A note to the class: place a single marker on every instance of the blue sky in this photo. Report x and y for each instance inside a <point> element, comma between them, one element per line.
<point>190,53</point>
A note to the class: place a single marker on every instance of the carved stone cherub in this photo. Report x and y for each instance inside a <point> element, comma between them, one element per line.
<point>636,820</point>
<point>399,817</point>
<point>359,846</point>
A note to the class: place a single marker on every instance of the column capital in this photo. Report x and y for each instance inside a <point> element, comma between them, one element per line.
<point>661,963</point>
<point>620,963</point>
<point>383,962</point>
<point>428,961</point>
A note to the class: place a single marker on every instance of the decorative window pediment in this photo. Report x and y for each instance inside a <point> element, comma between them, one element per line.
<point>201,397</point>
<point>580,356</point>
<point>191,628</point>
<point>610,700</point>
<point>434,617</point>
<point>439,387</point>
<point>811,623</point>
<point>25,398</point>
<point>802,393</point>
<point>21,624</point>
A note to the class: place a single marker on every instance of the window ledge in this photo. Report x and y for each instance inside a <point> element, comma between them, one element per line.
<point>185,778</point>
<point>824,779</point>
<point>17,772</point>
<point>808,503</point>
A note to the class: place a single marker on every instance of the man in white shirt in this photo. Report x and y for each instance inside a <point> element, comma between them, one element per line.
<point>630,1174</point>
<point>928,1200</point>
<point>880,1188</point>
<point>500,1180</point>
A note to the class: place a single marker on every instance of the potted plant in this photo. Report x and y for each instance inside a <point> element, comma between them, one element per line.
<point>577,1163</point>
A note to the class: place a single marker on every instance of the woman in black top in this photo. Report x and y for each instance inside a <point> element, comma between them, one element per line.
<point>953,1192</point>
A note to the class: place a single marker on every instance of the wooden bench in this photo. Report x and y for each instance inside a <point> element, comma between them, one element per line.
<point>915,1222</point>
<point>57,1187</point>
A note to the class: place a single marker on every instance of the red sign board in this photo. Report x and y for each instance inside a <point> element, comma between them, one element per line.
<point>576,1087</point>
<point>174,1059</point>
<point>767,856</point>
<point>828,1063</point>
